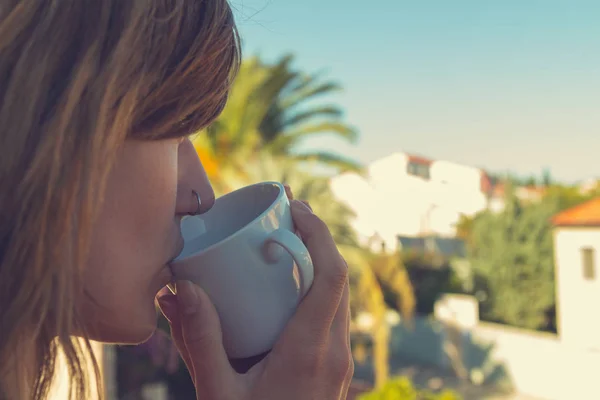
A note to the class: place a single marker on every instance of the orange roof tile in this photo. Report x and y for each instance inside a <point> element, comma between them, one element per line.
<point>586,214</point>
<point>417,159</point>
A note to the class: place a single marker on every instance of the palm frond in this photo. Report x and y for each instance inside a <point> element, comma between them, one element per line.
<point>309,93</point>
<point>313,113</point>
<point>284,142</point>
<point>341,163</point>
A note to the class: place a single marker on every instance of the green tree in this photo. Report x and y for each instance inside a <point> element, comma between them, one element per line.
<point>512,254</point>
<point>370,274</point>
<point>464,226</point>
<point>547,177</point>
<point>273,108</point>
<point>567,196</point>
<point>512,257</point>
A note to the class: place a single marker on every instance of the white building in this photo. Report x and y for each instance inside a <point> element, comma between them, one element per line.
<point>409,195</point>
<point>525,194</point>
<point>577,249</point>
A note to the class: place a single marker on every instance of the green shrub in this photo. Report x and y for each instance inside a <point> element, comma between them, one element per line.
<point>403,389</point>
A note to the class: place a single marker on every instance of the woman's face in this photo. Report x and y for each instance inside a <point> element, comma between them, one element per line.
<point>137,233</point>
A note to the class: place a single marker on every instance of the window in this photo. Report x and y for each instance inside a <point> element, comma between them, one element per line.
<point>588,261</point>
<point>418,169</point>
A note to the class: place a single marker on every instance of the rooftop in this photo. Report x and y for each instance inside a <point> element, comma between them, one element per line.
<point>586,214</point>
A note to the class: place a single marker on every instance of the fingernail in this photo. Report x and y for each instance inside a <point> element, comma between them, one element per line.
<point>187,297</point>
<point>300,206</point>
<point>307,204</point>
<point>168,306</point>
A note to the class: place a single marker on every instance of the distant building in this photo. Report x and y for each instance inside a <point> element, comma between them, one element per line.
<point>442,246</point>
<point>411,196</point>
<point>589,185</point>
<point>526,194</point>
<point>577,249</point>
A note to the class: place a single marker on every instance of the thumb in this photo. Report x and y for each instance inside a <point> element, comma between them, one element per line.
<point>203,340</point>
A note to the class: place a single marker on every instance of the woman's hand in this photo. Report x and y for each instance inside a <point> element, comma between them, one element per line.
<point>312,358</point>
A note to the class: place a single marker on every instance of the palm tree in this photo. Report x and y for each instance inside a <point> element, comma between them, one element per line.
<point>368,271</point>
<point>272,108</point>
<point>290,120</point>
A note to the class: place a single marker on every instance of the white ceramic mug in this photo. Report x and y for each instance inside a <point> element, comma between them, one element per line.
<point>245,256</point>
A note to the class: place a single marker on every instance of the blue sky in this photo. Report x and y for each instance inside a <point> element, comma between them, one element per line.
<point>504,85</point>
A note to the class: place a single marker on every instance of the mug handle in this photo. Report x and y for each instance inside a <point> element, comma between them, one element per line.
<point>294,246</point>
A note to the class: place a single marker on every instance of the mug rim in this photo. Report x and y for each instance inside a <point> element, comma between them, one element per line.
<point>279,185</point>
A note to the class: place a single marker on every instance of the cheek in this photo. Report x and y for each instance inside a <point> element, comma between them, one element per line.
<point>121,280</point>
<point>135,235</point>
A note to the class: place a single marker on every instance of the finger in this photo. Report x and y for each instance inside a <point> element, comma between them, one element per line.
<point>168,306</point>
<point>339,327</point>
<point>288,192</point>
<point>201,333</point>
<point>340,341</point>
<point>350,375</point>
<point>297,232</point>
<point>307,204</point>
<point>347,382</point>
<point>316,312</point>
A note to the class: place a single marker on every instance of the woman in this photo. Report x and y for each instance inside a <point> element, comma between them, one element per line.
<point>96,171</point>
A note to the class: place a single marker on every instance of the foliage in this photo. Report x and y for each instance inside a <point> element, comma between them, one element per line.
<point>366,295</point>
<point>394,278</point>
<point>512,254</point>
<point>569,196</point>
<point>564,197</point>
<point>370,276</point>
<point>403,389</point>
<point>464,226</point>
<point>430,276</point>
<point>274,109</point>
<point>544,179</point>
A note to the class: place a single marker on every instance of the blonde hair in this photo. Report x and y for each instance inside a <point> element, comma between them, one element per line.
<point>76,79</point>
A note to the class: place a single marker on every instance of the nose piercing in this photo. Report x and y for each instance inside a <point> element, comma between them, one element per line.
<point>198,202</point>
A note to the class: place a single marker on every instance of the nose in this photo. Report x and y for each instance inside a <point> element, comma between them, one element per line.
<point>192,178</point>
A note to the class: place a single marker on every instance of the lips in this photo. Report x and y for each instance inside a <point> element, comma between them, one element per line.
<point>179,249</point>
<point>180,245</point>
<point>164,277</point>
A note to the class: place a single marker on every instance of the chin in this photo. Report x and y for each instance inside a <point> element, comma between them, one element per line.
<point>138,336</point>
<point>126,337</point>
<point>133,331</point>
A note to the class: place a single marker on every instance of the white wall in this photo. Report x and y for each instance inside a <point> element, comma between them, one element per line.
<point>533,363</point>
<point>454,174</point>
<point>388,169</point>
<point>578,323</point>
<point>391,202</point>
